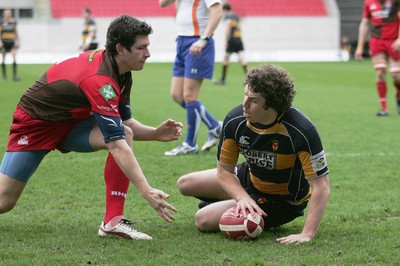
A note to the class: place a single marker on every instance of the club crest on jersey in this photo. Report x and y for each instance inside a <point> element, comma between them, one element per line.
<point>262,200</point>
<point>244,142</point>
<point>108,92</point>
<point>275,145</point>
<point>23,140</point>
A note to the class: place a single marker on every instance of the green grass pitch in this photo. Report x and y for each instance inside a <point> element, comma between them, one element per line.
<point>56,219</point>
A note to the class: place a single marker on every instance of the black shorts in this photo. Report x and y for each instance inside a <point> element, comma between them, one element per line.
<point>234,46</point>
<point>92,46</point>
<point>8,46</point>
<point>279,210</point>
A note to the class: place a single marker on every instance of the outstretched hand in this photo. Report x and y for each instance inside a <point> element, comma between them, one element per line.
<point>169,130</point>
<point>294,239</point>
<point>156,199</point>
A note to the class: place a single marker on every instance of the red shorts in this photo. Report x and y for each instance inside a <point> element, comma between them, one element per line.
<point>377,46</point>
<point>28,134</point>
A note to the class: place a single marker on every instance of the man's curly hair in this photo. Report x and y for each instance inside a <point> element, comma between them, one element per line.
<point>274,84</point>
<point>124,30</point>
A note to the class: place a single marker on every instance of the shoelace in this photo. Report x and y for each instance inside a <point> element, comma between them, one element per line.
<point>127,224</point>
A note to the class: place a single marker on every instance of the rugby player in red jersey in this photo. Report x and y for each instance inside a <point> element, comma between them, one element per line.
<point>82,104</point>
<point>285,165</point>
<point>384,45</point>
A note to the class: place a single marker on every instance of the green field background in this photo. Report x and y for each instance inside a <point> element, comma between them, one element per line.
<point>56,219</point>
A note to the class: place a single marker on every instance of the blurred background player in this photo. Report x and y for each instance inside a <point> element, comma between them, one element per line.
<point>9,41</point>
<point>89,41</point>
<point>194,62</point>
<point>233,42</point>
<point>384,45</point>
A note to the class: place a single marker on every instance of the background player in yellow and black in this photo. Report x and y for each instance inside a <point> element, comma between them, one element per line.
<point>285,165</point>
<point>233,42</point>
<point>89,41</point>
<point>9,41</point>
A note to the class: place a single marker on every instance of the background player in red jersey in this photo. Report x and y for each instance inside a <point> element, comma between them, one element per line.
<point>285,165</point>
<point>9,41</point>
<point>384,45</point>
<point>82,104</point>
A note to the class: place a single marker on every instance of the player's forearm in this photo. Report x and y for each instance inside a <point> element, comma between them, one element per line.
<point>228,34</point>
<point>316,208</point>
<point>362,34</point>
<point>229,183</point>
<point>126,160</point>
<point>140,131</point>
<point>213,20</point>
<point>165,3</point>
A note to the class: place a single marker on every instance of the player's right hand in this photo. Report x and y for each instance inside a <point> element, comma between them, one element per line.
<point>156,199</point>
<point>358,55</point>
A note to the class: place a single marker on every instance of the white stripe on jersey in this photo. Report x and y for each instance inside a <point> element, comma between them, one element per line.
<point>184,18</point>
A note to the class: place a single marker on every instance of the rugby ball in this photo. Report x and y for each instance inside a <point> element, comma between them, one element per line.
<point>241,227</point>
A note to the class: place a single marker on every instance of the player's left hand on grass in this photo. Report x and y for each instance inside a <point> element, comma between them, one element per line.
<point>169,130</point>
<point>294,239</point>
<point>156,199</point>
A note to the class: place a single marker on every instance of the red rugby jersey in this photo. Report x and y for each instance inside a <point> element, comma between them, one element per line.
<point>383,17</point>
<point>75,87</point>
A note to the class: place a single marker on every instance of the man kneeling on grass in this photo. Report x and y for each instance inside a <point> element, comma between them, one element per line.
<point>285,165</point>
<point>82,104</point>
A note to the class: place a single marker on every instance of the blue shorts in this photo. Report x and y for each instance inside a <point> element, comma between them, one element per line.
<point>22,164</point>
<point>189,66</point>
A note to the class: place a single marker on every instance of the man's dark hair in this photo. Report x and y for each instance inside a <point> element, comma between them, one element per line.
<point>274,84</point>
<point>226,7</point>
<point>87,10</point>
<point>124,30</point>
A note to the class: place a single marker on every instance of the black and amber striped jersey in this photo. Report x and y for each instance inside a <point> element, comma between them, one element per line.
<point>8,30</point>
<point>90,26</point>
<point>281,156</point>
<point>234,23</point>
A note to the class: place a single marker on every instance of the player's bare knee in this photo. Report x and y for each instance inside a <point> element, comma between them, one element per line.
<point>177,99</point>
<point>204,223</point>
<point>6,205</point>
<point>181,184</point>
<point>201,222</point>
<point>185,185</point>
<point>128,134</point>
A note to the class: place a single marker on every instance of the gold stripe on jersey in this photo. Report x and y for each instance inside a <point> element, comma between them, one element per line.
<point>228,149</point>
<point>8,30</point>
<point>305,159</point>
<point>269,187</point>
<point>276,129</point>
<point>8,35</point>
<point>276,189</point>
<point>285,161</point>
